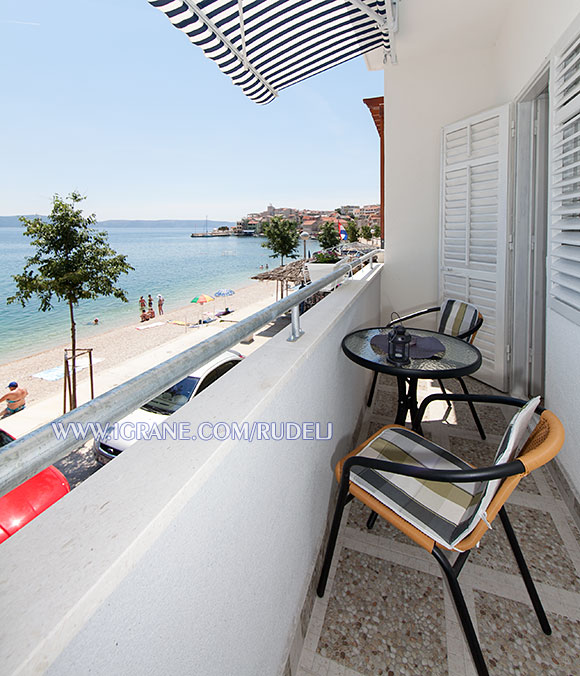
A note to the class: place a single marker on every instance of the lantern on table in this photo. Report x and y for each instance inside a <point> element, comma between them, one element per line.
<point>399,348</point>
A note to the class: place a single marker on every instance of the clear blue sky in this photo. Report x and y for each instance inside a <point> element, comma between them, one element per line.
<point>108,98</point>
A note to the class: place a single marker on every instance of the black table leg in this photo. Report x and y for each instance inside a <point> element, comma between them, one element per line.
<point>412,399</point>
<point>372,392</point>
<point>403,402</point>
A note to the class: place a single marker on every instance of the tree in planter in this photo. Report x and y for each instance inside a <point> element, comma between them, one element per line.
<point>72,262</point>
<point>282,238</point>
<point>366,232</point>
<point>328,235</point>
<point>352,231</point>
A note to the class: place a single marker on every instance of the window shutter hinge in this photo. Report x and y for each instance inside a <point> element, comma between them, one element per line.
<point>533,243</point>
<point>508,352</point>
<point>536,127</point>
<point>513,128</point>
<point>530,356</point>
<point>511,242</point>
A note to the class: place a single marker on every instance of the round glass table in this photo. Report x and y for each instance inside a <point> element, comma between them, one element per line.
<point>459,359</point>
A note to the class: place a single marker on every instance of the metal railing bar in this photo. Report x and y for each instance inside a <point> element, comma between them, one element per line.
<point>23,458</point>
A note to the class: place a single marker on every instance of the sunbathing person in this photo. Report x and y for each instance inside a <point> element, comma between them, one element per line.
<point>15,399</point>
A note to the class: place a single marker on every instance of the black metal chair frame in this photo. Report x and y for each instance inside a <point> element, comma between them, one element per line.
<point>462,336</point>
<point>450,570</point>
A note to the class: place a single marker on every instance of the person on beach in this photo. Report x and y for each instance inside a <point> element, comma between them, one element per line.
<point>151,313</point>
<point>96,320</point>
<point>15,399</point>
<point>144,315</point>
<point>160,301</point>
<point>150,302</point>
<point>142,303</point>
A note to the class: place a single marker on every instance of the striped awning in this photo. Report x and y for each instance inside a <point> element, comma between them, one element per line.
<point>267,45</point>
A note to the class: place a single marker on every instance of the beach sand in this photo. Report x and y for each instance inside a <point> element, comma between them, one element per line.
<point>125,343</point>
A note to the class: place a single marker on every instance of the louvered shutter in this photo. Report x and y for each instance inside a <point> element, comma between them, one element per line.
<point>564,250</point>
<point>473,229</point>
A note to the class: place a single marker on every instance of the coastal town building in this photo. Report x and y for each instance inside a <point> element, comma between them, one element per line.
<point>311,220</point>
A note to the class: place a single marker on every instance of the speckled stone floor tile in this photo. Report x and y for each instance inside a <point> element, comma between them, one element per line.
<point>358,516</point>
<point>481,453</point>
<point>385,404</point>
<point>551,482</point>
<point>513,642</point>
<point>384,619</point>
<point>573,527</point>
<point>491,417</point>
<point>541,544</point>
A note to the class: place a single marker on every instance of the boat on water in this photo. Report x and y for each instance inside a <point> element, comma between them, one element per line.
<point>221,233</point>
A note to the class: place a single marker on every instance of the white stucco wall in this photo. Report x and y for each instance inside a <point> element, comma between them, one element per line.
<point>449,69</point>
<point>423,93</point>
<point>528,32</point>
<point>194,557</point>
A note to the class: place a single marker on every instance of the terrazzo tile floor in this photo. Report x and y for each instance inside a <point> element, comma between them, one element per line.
<point>387,610</point>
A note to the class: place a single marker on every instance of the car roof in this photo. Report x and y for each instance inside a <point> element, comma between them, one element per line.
<point>25,502</point>
<point>228,355</point>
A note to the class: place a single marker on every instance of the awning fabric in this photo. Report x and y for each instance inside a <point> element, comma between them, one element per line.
<point>267,45</point>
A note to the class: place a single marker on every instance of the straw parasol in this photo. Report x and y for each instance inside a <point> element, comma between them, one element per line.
<point>292,273</point>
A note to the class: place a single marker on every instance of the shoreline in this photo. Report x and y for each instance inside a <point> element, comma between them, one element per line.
<point>121,343</point>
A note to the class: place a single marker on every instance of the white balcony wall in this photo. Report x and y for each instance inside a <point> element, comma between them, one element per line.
<point>456,58</point>
<point>188,557</point>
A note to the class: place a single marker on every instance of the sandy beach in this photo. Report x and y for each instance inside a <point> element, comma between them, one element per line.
<point>121,344</point>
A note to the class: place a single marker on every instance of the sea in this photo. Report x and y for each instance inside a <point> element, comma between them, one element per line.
<point>167,260</point>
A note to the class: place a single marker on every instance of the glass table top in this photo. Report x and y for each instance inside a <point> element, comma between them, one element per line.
<point>459,359</point>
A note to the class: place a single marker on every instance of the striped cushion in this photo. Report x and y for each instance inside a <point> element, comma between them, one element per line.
<point>457,317</point>
<point>445,512</point>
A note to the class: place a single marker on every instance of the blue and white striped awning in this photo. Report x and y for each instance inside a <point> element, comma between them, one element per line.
<point>267,45</point>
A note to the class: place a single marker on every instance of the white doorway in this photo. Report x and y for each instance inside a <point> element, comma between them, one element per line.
<point>530,233</point>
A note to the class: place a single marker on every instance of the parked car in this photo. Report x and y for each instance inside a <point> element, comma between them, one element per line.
<point>153,412</point>
<point>27,501</point>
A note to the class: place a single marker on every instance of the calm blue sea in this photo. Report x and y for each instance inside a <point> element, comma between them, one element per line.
<point>166,260</point>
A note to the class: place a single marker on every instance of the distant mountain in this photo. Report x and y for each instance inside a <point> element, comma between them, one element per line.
<point>194,225</point>
<point>12,221</point>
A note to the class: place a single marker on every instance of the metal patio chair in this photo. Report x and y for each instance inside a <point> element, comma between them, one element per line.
<point>441,502</point>
<point>457,318</point>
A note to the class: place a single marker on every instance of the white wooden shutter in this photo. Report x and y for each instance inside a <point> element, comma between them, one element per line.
<point>564,247</point>
<point>473,229</point>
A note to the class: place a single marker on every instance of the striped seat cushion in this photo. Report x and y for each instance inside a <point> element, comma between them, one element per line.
<point>446,512</point>
<point>457,317</point>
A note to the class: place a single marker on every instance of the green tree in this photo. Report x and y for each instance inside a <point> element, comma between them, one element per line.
<point>366,232</point>
<point>377,231</point>
<point>352,231</point>
<point>282,238</point>
<point>328,235</point>
<point>72,262</point>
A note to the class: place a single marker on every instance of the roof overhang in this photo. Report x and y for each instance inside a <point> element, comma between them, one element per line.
<point>267,45</point>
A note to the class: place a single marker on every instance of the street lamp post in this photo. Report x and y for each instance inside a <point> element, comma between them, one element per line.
<point>304,236</point>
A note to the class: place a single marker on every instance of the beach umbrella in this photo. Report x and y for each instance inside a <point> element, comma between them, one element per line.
<point>224,293</point>
<point>202,298</point>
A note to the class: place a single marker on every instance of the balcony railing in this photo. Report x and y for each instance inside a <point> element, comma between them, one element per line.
<point>26,456</point>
